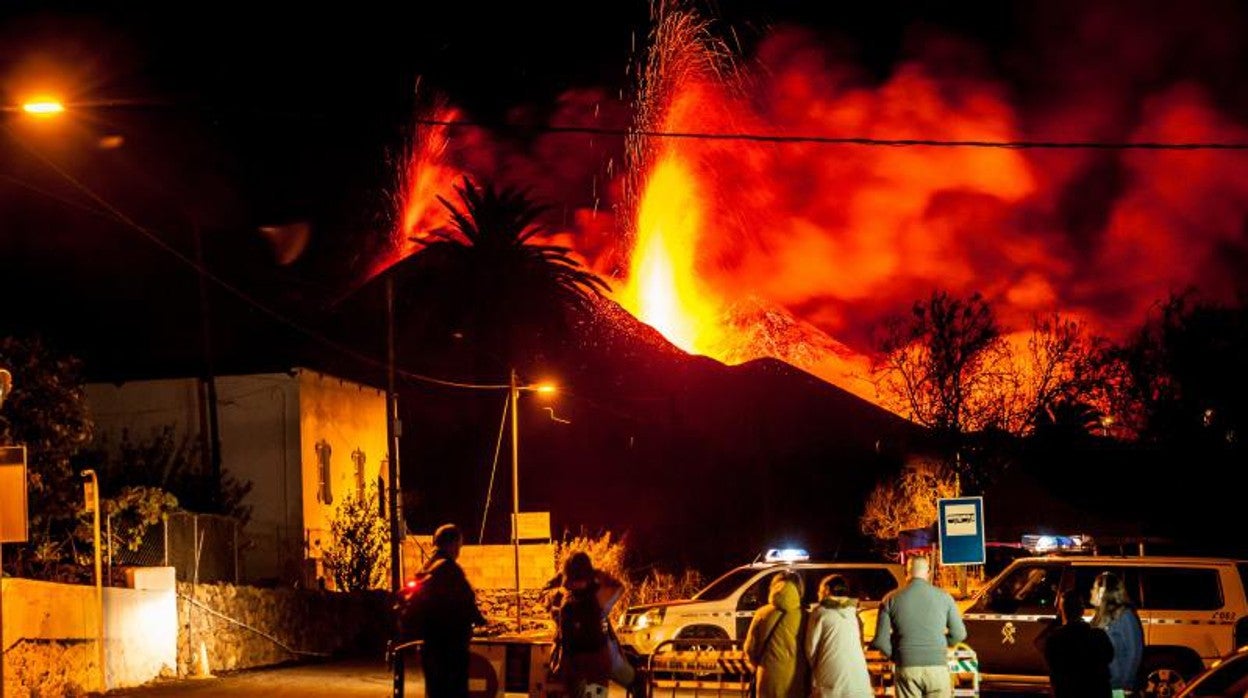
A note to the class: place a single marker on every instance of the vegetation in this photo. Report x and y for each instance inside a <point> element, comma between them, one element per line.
<point>358,556</point>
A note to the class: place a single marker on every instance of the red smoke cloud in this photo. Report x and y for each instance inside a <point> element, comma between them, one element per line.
<point>843,235</point>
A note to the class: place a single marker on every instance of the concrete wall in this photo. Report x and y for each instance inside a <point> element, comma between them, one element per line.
<point>242,627</point>
<point>50,631</point>
<point>348,419</point>
<point>489,566</point>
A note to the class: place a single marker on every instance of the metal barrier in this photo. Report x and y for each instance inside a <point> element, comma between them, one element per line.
<point>695,668</point>
<point>497,667</point>
<point>963,670</point>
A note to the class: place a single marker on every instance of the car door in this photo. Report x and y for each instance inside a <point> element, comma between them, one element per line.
<point>755,595</point>
<point>1005,622</point>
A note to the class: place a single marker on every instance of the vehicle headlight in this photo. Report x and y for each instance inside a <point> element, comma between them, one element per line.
<point>649,619</point>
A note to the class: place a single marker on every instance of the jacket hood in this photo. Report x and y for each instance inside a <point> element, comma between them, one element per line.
<point>838,602</point>
<point>784,596</point>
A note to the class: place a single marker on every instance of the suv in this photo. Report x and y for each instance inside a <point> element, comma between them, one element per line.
<point>1193,611</point>
<point>724,609</point>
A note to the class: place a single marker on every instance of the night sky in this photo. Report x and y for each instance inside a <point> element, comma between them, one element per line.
<point>222,118</point>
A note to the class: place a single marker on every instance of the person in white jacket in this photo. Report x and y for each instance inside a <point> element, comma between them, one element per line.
<point>833,644</point>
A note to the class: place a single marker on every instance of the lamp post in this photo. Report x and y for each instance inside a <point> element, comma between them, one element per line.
<point>92,492</point>
<point>6,387</point>
<point>515,388</point>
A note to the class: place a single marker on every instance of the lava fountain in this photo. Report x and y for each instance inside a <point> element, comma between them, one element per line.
<point>664,287</point>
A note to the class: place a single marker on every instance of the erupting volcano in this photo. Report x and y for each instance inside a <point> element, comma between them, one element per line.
<point>739,249</point>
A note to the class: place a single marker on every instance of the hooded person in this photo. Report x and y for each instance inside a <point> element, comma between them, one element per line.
<point>833,644</point>
<point>771,644</point>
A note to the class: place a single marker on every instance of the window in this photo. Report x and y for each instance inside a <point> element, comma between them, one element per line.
<point>324,494</point>
<point>726,585</point>
<point>1027,589</point>
<point>1085,575</point>
<point>1181,588</point>
<point>358,458</point>
<point>869,584</point>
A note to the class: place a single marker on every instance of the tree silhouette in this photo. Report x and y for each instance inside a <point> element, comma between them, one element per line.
<point>490,277</point>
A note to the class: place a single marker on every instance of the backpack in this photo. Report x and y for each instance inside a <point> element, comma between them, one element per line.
<point>581,625</point>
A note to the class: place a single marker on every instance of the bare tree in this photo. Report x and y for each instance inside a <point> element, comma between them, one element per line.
<point>944,365</point>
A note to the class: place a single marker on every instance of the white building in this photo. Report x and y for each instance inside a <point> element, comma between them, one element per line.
<point>304,439</point>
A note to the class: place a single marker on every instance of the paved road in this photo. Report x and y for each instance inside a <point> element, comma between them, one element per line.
<point>346,679</point>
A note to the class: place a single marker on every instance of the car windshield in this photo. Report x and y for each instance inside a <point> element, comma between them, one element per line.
<point>723,587</point>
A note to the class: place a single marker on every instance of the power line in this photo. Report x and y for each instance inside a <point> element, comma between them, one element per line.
<point>843,140</point>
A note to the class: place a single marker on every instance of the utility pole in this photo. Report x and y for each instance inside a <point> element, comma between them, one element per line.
<point>515,491</point>
<point>208,380</point>
<point>92,492</point>
<point>394,430</point>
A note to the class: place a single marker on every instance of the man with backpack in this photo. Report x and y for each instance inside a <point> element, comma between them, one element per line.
<point>586,656</point>
<point>442,612</point>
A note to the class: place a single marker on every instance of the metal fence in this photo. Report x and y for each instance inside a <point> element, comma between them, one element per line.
<point>200,548</point>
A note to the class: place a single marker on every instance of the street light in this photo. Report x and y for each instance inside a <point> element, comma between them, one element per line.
<point>43,108</point>
<point>515,390</point>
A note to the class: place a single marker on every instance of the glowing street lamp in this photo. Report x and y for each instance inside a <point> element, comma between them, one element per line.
<point>43,108</point>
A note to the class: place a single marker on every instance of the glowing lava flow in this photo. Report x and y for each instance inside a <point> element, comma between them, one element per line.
<point>663,289</point>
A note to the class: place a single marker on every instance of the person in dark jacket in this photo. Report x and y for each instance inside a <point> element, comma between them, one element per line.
<point>450,614</point>
<point>1115,616</point>
<point>1078,655</point>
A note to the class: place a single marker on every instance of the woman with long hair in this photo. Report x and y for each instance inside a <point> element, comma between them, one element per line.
<point>1119,620</point>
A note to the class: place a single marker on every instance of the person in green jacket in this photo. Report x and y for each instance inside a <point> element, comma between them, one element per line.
<point>772,644</point>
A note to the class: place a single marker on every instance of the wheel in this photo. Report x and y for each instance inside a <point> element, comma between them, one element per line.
<point>1162,678</point>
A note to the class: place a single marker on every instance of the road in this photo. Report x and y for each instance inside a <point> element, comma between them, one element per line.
<point>357,678</point>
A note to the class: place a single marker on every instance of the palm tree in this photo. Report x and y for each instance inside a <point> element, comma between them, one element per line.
<point>488,275</point>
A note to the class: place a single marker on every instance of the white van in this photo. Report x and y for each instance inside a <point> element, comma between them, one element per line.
<point>723,610</point>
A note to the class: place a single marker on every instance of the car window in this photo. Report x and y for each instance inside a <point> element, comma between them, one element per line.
<point>1085,575</point>
<point>1230,678</point>
<point>726,585</point>
<point>1027,589</point>
<point>756,594</point>
<point>870,584</point>
<point>1180,588</point>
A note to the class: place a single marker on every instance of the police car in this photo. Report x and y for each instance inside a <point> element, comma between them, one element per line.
<point>1193,611</point>
<point>723,610</point>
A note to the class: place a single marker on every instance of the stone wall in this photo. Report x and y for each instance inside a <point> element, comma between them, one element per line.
<point>47,668</point>
<point>499,608</point>
<point>242,627</point>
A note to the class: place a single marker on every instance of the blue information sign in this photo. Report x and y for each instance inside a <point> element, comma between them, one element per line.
<point>961,523</point>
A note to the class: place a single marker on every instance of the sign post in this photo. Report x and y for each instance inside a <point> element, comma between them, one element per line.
<point>13,519</point>
<point>961,522</point>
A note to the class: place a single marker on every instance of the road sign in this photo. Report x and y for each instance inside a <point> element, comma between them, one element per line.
<point>961,521</point>
<point>13,515</point>
<point>534,525</point>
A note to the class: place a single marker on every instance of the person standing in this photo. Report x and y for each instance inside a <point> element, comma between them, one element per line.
<point>771,643</point>
<point>833,644</point>
<point>917,625</point>
<point>1078,655</point>
<point>586,655</point>
<point>449,614</point>
<point>1119,620</point>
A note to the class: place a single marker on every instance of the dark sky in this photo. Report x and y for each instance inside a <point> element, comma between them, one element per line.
<point>264,113</point>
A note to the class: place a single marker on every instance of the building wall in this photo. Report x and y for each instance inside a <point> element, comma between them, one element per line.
<point>260,443</point>
<point>337,419</point>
